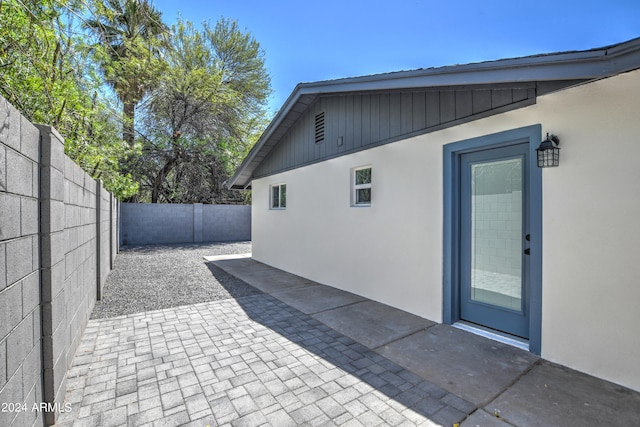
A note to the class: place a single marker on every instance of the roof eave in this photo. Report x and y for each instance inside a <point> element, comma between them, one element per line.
<point>590,64</point>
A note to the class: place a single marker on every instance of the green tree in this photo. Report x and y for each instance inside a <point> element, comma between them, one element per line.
<point>45,73</point>
<point>131,37</point>
<point>204,115</point>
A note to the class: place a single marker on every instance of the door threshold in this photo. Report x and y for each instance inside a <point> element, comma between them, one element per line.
<point>501,337</point>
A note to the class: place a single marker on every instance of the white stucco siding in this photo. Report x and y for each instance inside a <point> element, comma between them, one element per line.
<point>392,251</point>
<point>591,214</point>
<point>386,252</point>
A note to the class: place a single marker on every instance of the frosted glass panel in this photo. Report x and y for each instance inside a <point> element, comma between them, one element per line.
<point>496,233</point>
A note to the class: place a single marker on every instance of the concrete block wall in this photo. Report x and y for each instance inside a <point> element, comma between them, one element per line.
<point>114,226</point>
<point>54,238</point>
<point>104,261</point>
<point>157,223</point>
<point>226,223</point>
<point>20,319</point>
<point>144,224</point>
<point>52,264</point>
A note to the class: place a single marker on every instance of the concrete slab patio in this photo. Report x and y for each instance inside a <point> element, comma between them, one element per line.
<point>475,368</point>
<point>371,323</point>
<point>276,358</point>
<point>261,276</point>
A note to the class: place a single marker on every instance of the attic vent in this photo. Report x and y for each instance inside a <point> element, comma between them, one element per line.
<point>319,127</point>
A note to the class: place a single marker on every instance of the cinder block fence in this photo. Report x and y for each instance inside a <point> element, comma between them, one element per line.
<point>157,223</point>
<point>58,241</point>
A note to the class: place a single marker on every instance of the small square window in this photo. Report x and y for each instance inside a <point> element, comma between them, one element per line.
<point>279,196</point>
<point>361,186</point>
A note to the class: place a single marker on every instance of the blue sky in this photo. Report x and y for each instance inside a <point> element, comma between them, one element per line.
<point>308,41</point>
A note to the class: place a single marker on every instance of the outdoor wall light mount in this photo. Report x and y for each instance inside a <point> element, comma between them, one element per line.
<point>548,152</point>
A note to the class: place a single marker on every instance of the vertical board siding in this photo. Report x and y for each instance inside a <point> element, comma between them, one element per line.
<point>384,118</point>
<point>374,120</point>
<point>500,97</point>
<point>464,103</point>
<point>349,123</point>
<point>356,134</point>
<point>433,109</point>
<point>370,118</point>
<point>342,124</point>
<point>481,101</point>
<point>447,106</point>
<point>406,109</point>
<point>419,110</point>
<point>520,94</point>
<point>395,114</point>
<point>365,113</point>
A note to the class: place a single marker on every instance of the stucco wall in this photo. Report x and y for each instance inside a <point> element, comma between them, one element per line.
<point>384,252</point>
<point>392,251</point>
<point>591,290</point>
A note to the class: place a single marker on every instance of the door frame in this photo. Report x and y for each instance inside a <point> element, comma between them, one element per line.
<point>452,152</point>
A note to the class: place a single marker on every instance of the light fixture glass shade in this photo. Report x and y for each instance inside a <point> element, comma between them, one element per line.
<point>548,152</point>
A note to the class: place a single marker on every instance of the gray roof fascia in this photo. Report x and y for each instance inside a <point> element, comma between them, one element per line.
<point>589,64</point>
<point>593,63</point>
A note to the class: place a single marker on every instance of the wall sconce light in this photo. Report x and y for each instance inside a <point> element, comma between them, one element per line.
<point>549,152</point>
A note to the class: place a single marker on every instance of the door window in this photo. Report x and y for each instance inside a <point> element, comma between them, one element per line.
<point>496,233</point>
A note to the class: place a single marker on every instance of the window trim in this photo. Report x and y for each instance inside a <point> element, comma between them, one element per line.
<point>271,198</point>
<point>355,187</point>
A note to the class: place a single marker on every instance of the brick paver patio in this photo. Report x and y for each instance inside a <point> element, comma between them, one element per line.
<point>248,361</point>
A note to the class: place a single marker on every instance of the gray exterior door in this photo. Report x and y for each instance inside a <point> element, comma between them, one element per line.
<point>494,227</point>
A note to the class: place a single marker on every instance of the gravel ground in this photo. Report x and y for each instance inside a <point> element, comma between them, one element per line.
<point>162,276</point>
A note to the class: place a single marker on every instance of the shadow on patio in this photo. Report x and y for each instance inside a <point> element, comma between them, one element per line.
<point>315,343</point>
<point>443,374</point>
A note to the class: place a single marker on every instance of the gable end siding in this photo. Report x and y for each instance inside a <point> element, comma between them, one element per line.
<point>354,122</point>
